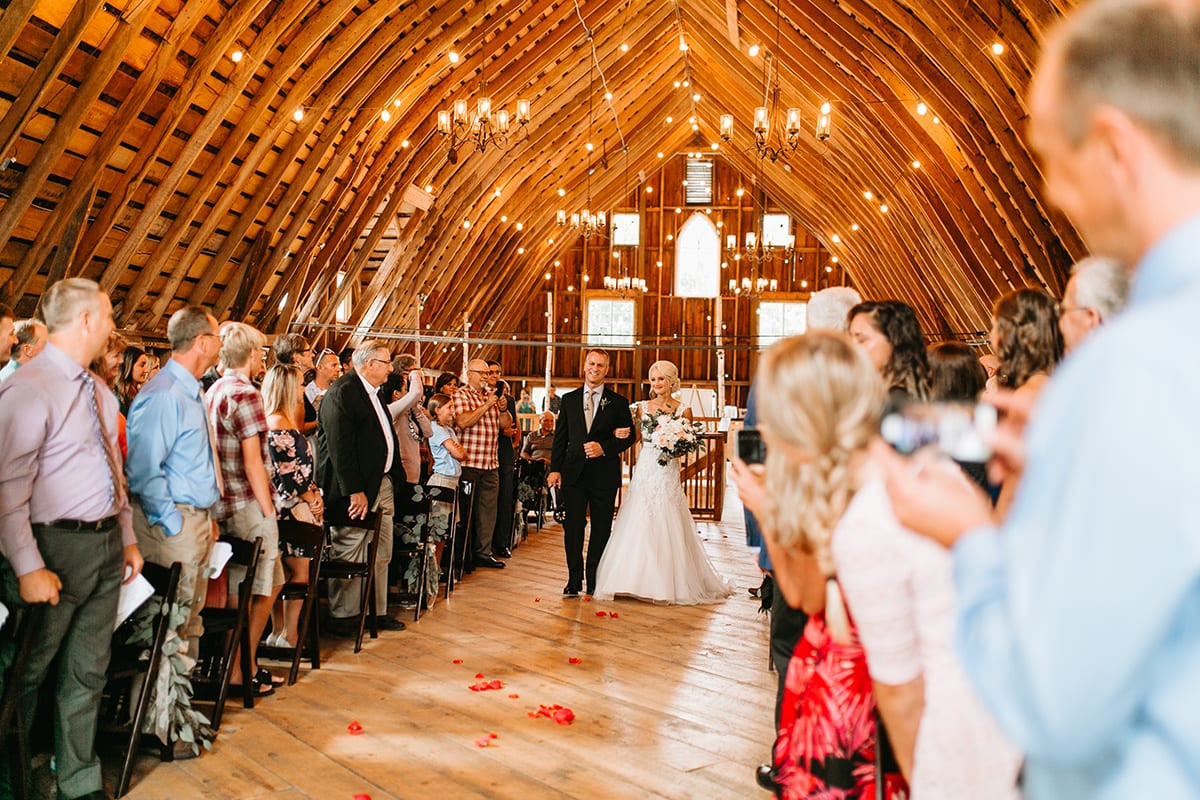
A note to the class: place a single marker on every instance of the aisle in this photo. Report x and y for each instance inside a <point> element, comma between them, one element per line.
<point>668,702</point>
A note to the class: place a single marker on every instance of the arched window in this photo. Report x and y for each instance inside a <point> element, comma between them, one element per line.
<point>698,258</point>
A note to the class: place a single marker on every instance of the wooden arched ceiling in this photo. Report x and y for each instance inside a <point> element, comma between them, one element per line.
<point>137,152</point>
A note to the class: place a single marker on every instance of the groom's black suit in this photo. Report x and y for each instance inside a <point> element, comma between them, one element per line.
<point>589,483</point>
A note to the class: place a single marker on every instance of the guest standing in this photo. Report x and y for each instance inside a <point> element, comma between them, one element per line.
<point>65,522</point>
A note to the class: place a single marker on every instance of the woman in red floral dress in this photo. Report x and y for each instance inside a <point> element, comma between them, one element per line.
<point>827,403</point>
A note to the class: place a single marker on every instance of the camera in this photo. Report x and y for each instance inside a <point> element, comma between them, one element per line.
<point>750,446</point>
<point>961,431</point>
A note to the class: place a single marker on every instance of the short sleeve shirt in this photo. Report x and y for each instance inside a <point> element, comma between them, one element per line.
<point>443,462</point>
<point>235,411</point>
<point>481,439</point>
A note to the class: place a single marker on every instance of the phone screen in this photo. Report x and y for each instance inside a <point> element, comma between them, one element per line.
<point>750,446</point>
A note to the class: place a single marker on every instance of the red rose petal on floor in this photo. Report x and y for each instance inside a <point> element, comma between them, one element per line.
<point>496,684</point>
<point>513,696</point>
<point>457,661</point>
<point>537,599</point>
<point>493,736</point>
<point>362,797</point>
<point>601,613</point>
<point>564,716</point>
<point>478,674</point>
<point>354,728</point>
<point>531,714</point>
<point>574,660</point>
<point>587,599</point>
<point>483,742</point>
<point>612,614</point>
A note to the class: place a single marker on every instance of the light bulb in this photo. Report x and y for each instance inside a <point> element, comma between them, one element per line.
<point>235,56</point>
<point>453,56</point>
<point>922,109</point>
<point>997,49</point>
<point>298,114</point>
<point>753,50</point>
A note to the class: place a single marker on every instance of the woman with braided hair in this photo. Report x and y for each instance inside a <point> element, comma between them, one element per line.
<point>877,594</point>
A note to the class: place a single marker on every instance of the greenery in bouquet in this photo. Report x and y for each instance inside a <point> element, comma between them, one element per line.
<point>673,436</point>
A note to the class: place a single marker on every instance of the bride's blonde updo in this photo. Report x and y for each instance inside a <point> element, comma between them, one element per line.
<point>669,371</point>
<point>821,399</point>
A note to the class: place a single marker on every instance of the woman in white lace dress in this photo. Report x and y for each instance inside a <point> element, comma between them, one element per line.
<point>654,552</point>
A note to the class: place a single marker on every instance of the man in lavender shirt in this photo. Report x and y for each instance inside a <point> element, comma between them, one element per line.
<point>65,523</point>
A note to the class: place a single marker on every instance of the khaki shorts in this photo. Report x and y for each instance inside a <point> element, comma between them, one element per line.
<point>249,523</point>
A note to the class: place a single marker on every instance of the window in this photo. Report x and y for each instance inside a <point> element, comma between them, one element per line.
<point>342,314</point>
<point>777,320</point>
<point>699,176</point>
<point>610,322</point>
<point>626,228</point>
<point>698,258</point>
<point>776,230</point>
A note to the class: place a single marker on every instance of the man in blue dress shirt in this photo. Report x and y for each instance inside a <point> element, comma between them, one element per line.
<point>1079,619</point>
<point>171,467</point>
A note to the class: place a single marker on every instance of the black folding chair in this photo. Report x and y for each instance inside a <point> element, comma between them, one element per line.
<point>17,635</point>
<point>458,560</point>
<point>132,660</point>
<point>308,645</point>
<point>342,569</point>
<point>226,631</point>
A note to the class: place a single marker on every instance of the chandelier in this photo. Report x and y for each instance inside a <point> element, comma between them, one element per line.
<point>622,284</point>
<point>484,127</point>
<point>760,250</point>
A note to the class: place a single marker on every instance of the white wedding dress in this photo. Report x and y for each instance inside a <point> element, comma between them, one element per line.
<point>654,552</point>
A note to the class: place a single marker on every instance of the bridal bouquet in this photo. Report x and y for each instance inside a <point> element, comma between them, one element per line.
<point>673,436</point>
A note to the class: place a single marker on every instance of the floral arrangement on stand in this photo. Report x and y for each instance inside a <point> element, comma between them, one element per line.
<point>673,436</point>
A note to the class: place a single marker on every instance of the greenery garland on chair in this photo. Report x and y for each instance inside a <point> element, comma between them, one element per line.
<point>410,528</point>
<point>173,681</point>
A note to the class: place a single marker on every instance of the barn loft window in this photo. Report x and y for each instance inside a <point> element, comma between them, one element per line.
<point>776,230</point>
<point>698,258</point>
<point>777,320</point>
<point>609,322</point>
<point>626,229</point>
<point>699,174</point>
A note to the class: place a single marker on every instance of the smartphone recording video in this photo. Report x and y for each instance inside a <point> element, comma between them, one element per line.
<point>960,431</point>
<point>750,447</point>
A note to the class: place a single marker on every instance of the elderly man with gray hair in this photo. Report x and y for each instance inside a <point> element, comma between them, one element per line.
<point>31,338</point>
<point>357,457</point>
<point>1096,292</point>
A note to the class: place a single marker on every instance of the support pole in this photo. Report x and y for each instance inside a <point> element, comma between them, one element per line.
<point>465,346</point>
<point>549,342</point>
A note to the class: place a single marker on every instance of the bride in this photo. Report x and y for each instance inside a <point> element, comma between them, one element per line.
<point>654,552</point>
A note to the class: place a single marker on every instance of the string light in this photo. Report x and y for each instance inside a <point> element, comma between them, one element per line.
<point>236,56</point>
<point>298,114</point>
<point>753,50</point>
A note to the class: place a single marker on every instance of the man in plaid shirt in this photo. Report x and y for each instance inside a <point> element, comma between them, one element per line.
<point>478,419</point>
<point>245,510</point>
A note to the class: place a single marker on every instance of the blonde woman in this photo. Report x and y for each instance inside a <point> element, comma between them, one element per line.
<point>879,594</point>
<point>293,484</point>
<point>654,552</point>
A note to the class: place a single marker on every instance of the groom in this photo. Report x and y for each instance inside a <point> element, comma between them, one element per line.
<point>593,429</point>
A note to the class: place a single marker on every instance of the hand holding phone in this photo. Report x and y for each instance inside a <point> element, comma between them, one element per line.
<point>750,446</point>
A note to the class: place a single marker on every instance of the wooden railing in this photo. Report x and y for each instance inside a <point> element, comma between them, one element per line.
<point>702,474</point>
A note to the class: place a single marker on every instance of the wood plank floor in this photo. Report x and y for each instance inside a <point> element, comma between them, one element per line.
<point>670,702</point>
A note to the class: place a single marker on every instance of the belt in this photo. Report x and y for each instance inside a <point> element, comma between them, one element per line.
<point>108,523</point>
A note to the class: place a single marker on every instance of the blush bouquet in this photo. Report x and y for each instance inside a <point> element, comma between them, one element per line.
<point>673,436</point>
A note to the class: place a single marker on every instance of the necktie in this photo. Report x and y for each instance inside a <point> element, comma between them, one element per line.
<point>115,473</point>
<point>590,410</point>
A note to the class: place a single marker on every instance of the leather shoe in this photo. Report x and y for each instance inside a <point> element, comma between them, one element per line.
<point>570,591</point>
<point>489,562</point>
<point>764,776</point>
<point>502,552</point>
<point>386,623</point>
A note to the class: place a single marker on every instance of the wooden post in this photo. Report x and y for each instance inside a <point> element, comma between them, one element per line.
<point>465,346</point>
<point>717,316</point>
<point>549,343</point>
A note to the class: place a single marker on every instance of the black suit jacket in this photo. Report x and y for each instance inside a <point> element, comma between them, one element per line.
<point>571,433</point>
<point>351,449</point>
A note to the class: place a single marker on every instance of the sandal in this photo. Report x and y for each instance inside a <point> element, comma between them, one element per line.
<point>265,677</point>
<point>260,689</point>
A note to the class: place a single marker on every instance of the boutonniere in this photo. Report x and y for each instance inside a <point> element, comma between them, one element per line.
<point>603,403</point>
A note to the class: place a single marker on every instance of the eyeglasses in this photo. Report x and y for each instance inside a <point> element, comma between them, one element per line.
<point>1064,309</point>
<point>478,371</point>
<point>382,361</point>
<point>493,372</point>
